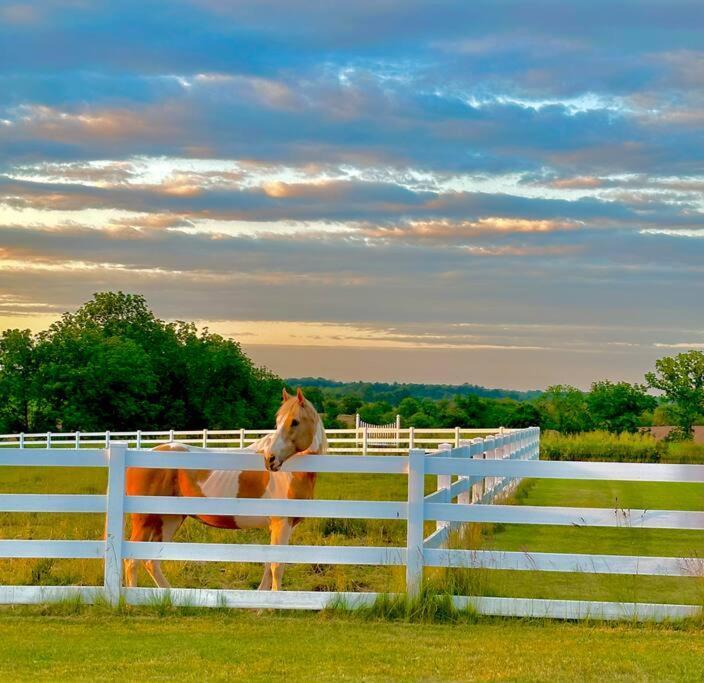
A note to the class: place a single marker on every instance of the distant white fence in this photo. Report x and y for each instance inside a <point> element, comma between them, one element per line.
<point>378,436</point>
<point>470,479</point>
<point>364,440</point>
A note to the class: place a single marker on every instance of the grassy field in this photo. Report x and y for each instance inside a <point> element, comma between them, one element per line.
<point>89,645</point>
<point>73,642</point>
<point>628,541</point>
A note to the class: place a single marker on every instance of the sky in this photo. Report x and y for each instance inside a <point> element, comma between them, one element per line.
<point>501,193</point>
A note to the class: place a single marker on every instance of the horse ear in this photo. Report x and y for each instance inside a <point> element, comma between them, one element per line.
<point>299,396</point>
<point>285,394</point>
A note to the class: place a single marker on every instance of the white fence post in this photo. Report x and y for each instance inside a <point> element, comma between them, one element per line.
<point>205,438</point>
<point>171,434</point>
<point>107,439</point>
<point>242,438</point>
<point>114,523</point>
<point>48,439</point>
<point>365,439</point>
<point>414,525</point>
<point>77,437</point>
<point>444,483</point>
<point>464,498</point>
<point>139,438</point>
<point>398,431</point>
<point>411,438</point>
<point>21,439</point>
<point>457,437</point>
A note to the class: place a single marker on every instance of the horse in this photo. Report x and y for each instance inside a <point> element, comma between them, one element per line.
<point>299,431</point>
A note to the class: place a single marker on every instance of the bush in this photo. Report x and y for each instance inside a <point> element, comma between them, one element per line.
<point>685,452</point>
<point>600,445</point>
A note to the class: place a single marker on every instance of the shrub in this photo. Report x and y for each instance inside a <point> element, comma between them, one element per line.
<point>685,452</point>
<point>600,445</point>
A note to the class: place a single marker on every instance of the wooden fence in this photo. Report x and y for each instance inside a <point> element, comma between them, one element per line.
<point>470,481</point>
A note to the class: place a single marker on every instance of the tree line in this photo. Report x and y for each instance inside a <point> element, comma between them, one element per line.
<point>616,407</point>
<point>114,365</point>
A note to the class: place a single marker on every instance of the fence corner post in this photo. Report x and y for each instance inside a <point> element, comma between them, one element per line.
<point>114,522</point>
<point>415,520</point>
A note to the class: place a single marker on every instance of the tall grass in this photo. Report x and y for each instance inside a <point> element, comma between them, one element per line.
<point>685,452</point>
<point>600,445</point>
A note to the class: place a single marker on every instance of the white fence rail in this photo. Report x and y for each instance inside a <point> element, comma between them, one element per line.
<point>364,440</point>
<point>470,480</point>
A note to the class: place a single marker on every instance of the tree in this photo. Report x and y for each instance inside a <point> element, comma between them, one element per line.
<point>113,364</point>
<point>408,406</point>
<point>378,413</point>
<point>18,365</point>
<point>681,379</point>
<point>564,408</point>
<point>350,404</point>
<point>618,406</point>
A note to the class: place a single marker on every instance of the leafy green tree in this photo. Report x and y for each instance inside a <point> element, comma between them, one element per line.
<point>420,420</point>
<point>564,408</point>
<point>18,366</point>
<point>113,365</point>
<point>618,406</point>
<point>681,379</point>
<point>408,406</point>
<point>377,413</point>
<point>350,404</point>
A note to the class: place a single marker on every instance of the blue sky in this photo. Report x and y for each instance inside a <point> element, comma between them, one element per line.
<point>503,193</point>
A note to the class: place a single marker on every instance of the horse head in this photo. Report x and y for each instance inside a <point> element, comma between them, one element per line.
<point>298,430</point>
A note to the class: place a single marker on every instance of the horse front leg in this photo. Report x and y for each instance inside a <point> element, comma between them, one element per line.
<point>281,529</point>
<point>265,584</point>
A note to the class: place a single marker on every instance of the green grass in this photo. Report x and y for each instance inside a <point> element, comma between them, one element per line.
<point>91,646</point>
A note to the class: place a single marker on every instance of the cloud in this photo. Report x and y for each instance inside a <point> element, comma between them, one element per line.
<point>497,164</point>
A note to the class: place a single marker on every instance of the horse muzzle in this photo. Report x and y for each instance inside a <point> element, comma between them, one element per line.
<point>272,463</point>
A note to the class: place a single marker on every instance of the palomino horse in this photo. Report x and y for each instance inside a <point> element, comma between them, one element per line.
<point>299,430</point>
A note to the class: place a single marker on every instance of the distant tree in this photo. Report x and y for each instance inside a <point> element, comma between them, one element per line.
<point>681,379</point>
<point>332,408</point>
<point>468,411</point>
<point>350,404</point>
<point>408,406</point>
<point>564,409</point>
<point>379,412</point>
<point>618,406</point>
<point>420,420</point>
<point>18,367</point>
<point>661,416</point>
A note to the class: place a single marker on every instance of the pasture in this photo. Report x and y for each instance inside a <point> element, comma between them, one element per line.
<point>48,644</point>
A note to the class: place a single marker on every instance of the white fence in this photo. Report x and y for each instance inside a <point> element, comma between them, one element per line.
<point>469,480</point>
<point>383,436</point>
<point>364,440</point>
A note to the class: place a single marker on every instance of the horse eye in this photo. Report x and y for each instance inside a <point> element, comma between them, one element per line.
<point>294,423</point>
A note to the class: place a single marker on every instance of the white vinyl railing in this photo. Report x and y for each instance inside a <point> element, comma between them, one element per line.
<point>364,440</point>
<point>471,479</point>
